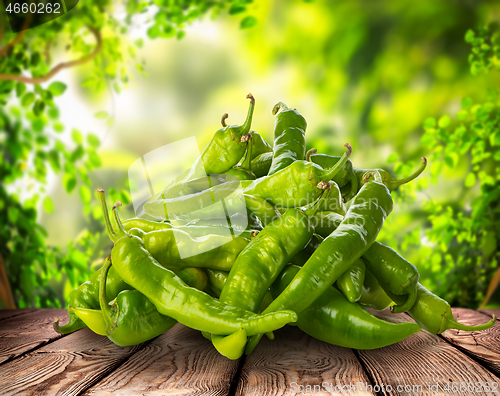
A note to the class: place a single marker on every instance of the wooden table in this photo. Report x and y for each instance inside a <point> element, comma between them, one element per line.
<point>35,360</point>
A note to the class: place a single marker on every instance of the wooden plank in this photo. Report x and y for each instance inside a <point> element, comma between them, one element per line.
<point>295,363</point>
<point>425,364</point>
<point>67,366</point>
<point>23,333</point>
<point>481,345</point>
<point>10,313</point>
<point>180,361</point>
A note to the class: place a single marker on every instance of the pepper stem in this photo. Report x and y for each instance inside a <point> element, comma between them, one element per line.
<point>245,127</point>
<point>247,160</point>
<point>280,106</point>
<point>107,312</point>
<point>121,230</point>
<point>453,324</point>
<point>109,228</point>
<point>311,209</point>
<point>309,153</point>
<point>372,174</point>
<point>329,174</point>
<point>392,184</point>
<point>223,119</point>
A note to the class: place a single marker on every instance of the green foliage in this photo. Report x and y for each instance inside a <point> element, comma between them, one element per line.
<point>457,249</point>
<point>29,125</point>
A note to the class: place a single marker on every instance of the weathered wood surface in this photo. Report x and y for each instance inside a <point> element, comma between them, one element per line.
<point>35,360</point>
<point>10,313</point>
<point>180,361</point>
<point>297,363</point>
<point>422,364</point>
<point>483,346</point>
<point>67,366</point>
<point>20,334</point>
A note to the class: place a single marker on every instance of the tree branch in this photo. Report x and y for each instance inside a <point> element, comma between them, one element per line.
<point>16,40</point>
<point>56,69</point>
<point>6,291</point>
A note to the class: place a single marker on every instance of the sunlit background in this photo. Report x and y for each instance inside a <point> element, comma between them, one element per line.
<point>369,73</point>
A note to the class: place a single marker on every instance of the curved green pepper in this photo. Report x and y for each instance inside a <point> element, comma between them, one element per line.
<point>343,177</point>
<point>298,184</point>
<point>373,295</point>
<point>387,179</point>
<point>326,222</point>
<point>337,252</point>
<point>260,145</point>
<point>289,137</point>
<point>86,296</point>
<point>261,164</point>
<point>173,298</point>
<point>394,274</point>
<point>301,257</point>
<point>130,318</point>
<point>434,314</point>
<point>262,260</point>
<point>333,319</point>
<point>223,152</point>
<point>177,248</point>
<point>351,281</point>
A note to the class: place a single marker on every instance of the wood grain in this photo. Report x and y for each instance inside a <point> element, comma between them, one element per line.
<point>483,346</point>
<point>10,313</point>
<point>67,366</point>
<point>180,361</point>
<point>423,359</point>
<point>23,333</point>
<point>292,359</point>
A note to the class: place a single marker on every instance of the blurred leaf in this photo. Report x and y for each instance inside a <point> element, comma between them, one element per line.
<point>93,140</point>
<point>236,9</point>
<point>48,205</point>
<point>248,22</point>
<point>470,180</point>
<point>57,88</point>
<point>28,99</point>
<point>101,115</point>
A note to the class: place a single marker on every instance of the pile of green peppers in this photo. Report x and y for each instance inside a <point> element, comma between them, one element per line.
<point>306,254</point>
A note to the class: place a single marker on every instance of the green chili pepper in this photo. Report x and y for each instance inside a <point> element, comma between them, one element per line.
<point>337,252</point>
<point>297,185</point>
<point>215,281</point>
<point>223,152</point>
<point>301,257</point>
<point>190,206</point>
<point>86,296</point>
<point>130,318</point>
<point>265,211</point>
<point>387,179</point>
<point>326,222</point>
<point>434,314</point>
<point>177,248</point>
<point>343,177</point>
<point>333,319</point>
<point>260,145</point>
<point>373,295</point>
<point>289,137</point>
<point>394,274</point>
<point>262,260</point>
<point>243,170</point>
<point>261,164</point>
<point>350,282</point>
<point>173,298</point>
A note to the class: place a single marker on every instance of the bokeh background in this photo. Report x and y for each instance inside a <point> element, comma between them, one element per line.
<point>397,79</point>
